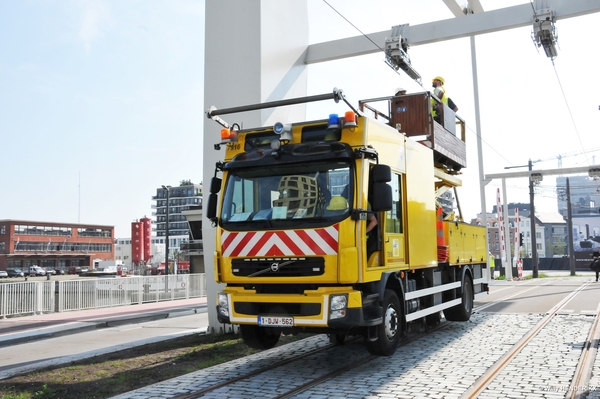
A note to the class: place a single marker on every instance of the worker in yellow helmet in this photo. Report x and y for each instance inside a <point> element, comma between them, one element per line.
<point>440,92</point>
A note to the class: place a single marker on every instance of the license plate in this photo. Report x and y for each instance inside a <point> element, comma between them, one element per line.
<point>265,321</point>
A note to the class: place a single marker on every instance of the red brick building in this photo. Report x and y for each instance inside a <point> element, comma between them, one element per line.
<point>25,243</point>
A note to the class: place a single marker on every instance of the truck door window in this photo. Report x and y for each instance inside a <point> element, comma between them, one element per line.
<point>394,217</point>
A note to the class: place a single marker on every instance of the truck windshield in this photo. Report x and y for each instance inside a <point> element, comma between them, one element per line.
<point>287,194</point>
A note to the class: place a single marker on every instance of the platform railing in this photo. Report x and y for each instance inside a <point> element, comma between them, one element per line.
<point>36,297</point>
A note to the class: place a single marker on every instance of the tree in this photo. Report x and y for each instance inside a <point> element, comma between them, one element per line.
<point>187,182</point>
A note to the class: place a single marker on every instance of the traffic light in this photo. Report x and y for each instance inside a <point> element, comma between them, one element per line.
<point>520,239</point>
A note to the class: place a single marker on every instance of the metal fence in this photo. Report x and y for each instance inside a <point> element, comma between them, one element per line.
<point>26,297</point>
<point>69,295</point>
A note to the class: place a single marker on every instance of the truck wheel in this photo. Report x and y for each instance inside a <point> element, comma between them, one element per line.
<point>390,331</point>
<point>462,312</point>
<point>259,337</point>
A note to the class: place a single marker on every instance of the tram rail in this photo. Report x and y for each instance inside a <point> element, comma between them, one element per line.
<point>312,382</point>
<point>482,383</point>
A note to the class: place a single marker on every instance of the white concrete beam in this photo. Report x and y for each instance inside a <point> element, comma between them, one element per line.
<point>546,172</point>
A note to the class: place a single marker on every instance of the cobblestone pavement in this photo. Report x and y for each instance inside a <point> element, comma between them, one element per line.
<point>442,364</point>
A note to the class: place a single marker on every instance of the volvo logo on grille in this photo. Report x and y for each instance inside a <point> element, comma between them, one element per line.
<point>275,267</point>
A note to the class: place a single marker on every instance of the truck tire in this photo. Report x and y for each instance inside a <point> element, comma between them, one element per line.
<point>462,312</point>
<point>259,337</point>
<point>389,332</point>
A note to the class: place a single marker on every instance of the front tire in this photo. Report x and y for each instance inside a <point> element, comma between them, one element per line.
<point>259,337</point>
<point>389,332</point>
<point>462,312</point>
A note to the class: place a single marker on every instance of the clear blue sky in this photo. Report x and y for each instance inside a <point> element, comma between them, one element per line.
<point>101,101</point>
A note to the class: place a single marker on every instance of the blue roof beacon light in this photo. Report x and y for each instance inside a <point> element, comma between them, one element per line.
<point>284,130</point>
<point>333,122</point>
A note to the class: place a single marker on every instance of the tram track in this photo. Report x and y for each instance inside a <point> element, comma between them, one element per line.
<point>313,381</point>
<point>484,381</point>
<point>334,373</point>
<point>580,383</point>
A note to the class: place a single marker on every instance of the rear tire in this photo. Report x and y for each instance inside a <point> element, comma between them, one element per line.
<point>259,337</point>
<point>389,332</point>
<point>462,312</point>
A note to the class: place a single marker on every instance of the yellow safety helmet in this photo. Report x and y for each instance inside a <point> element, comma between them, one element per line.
<point>440,79</point>
<point>337,203</point>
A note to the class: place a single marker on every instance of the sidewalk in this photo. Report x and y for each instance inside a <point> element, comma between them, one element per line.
<point>35,327</point>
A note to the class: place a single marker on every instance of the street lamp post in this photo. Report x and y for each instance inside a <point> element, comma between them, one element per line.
<point>534,254</point>
<point>166,188</point>
<point>570,227</point>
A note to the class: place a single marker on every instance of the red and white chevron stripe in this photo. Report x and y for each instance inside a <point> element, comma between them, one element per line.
<point>281,243</point>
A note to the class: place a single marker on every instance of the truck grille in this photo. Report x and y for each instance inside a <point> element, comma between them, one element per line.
<point>288,267</point>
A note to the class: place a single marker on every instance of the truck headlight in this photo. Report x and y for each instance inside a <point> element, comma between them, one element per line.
<point>337,306</point>
<point>223,304</point>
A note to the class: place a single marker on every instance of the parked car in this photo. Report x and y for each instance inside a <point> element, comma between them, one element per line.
<point>36,271</point>
<point>59,271</point>
<point>15,273</point>
<point>50,271</point>
<point>3,274</point>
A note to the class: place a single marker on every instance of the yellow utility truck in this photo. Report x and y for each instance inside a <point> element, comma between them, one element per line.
<point>292,205</point>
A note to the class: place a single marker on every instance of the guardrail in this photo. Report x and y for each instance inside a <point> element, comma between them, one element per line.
<point>26,297</point>
<point>36,297</point>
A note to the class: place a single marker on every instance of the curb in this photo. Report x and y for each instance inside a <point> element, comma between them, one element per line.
<point>26,336</point>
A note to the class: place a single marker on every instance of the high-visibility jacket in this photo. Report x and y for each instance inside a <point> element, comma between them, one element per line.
<point>434,103</point>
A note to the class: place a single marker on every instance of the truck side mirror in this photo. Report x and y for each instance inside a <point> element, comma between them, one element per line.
<point>382,197</point>
<point>381,174</point>
<point>215,185</point>
<point>211,209</point>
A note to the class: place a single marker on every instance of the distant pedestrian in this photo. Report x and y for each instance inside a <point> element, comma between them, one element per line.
<point>595,265</point>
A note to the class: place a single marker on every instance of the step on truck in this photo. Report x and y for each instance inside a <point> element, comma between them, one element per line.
<point>292,202</point>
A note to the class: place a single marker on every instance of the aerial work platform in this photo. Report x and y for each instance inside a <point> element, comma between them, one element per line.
<point>411,115</point>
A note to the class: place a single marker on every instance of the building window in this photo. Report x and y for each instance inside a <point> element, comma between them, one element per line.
<point>2,246</point>
<point>539,246</point>
<point>94,233</point>
<point>2,229</point>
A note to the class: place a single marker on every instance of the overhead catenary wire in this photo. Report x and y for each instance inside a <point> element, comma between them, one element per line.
<point>569,109</point>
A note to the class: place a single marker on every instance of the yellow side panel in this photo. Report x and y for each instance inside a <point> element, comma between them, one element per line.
<point>420,211</point>
<point>348,266</point>
<point>216,266</point>
<point>467,243</point>
<point>388,143</point>
<point>395,250</point>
